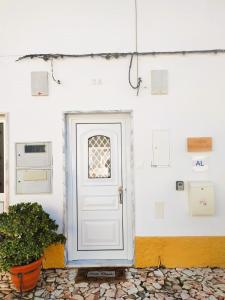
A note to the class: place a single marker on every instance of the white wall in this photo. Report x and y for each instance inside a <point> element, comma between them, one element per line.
<point>194,106</point>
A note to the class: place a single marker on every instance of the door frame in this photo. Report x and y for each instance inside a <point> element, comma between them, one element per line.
<point>125,118</point>
<point>4,120</point>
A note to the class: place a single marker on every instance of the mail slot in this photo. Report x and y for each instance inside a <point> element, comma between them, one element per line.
<point>201,198</point>
<point>33,181</point>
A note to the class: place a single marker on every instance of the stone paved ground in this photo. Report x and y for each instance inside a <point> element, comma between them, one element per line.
<point>150,283</point>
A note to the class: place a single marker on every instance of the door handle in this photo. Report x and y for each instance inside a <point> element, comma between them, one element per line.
<point>120,190</point>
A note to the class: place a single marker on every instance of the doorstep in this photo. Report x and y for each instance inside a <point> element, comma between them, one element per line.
<point>100,263</point>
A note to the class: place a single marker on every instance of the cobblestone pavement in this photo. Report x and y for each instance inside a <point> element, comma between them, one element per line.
<point>150,283</point>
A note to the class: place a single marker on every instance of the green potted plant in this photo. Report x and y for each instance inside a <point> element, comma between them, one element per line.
<point>25,231</point>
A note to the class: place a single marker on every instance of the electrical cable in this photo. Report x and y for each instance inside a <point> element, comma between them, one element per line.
<point>116,55</point>
<point>109,55</point>
<point>135,87</point>
<point>136,47</point>
<point>52,72</point>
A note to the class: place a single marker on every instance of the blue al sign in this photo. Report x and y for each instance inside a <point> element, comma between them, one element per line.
<point>200,164</point>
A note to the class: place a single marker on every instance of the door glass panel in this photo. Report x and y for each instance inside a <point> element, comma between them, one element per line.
<point>1,158</point>
<point>99,157</point>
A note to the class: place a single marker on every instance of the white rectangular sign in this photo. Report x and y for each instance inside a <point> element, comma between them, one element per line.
<point>200,163</point>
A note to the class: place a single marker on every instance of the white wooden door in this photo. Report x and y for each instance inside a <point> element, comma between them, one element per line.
<point>100,210</point>
<point>99,188</point>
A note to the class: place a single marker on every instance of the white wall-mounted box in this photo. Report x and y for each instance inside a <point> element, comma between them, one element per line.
<point>159,82</point>
<point>33,168</point>
<point>35,155</point>
<point>32,181</point>
<point>39,83</point>
<point>201,198</point>
<point>160,148</point>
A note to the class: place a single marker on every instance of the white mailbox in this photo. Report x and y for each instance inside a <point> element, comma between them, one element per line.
<point>33,168</point>
<point>31,181</point>
<point>201,198</point>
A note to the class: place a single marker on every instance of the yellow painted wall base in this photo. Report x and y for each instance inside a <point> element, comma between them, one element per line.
<point>54,257</point>
<point>180,251</point>
<point>170,252</point>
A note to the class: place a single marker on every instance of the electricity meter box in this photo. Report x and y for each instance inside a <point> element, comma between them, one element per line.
<point>33,168</point>
<point>39,83</point>
<point>201,198</point>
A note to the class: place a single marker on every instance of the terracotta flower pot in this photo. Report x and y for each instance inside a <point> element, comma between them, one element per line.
<point>25,277</point>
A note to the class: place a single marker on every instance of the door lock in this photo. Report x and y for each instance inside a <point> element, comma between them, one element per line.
<point>120,190</point>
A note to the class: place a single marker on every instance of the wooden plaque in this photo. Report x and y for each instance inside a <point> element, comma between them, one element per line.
<point>199,144</point>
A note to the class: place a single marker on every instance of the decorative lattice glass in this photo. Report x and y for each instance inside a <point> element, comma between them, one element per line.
<point>99,157</point>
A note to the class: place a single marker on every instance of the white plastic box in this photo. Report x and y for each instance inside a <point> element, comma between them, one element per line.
<point>201,198</point>
<point>33,168</point>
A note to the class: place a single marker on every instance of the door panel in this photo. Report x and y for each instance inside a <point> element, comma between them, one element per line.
<point>99,202</point>
<point>100,233</point>
<point>99,176</point>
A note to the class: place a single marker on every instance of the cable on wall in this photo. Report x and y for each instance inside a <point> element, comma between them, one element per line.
<point>109,55</point>
<point>136,48</point>
<point>117,55</point>
<point>136,87</point>
<point>52,72</point>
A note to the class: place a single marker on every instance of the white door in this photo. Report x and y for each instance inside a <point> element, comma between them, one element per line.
<point>100,210</point>
<point>99,187</point>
